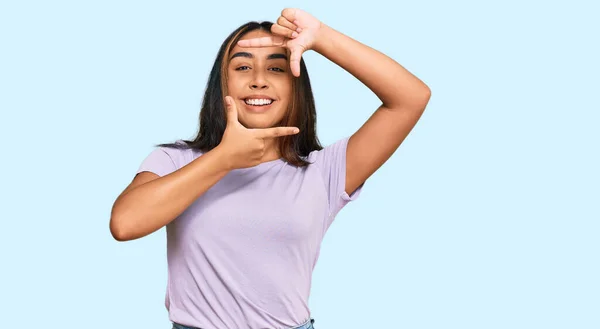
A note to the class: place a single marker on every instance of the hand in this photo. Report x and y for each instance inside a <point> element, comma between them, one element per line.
<point>246,147</point>
<point>296,30</point>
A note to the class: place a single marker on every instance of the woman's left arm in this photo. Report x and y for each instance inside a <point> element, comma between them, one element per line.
<point>403,95</point>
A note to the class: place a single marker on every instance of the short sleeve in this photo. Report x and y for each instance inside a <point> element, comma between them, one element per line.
<point>332,162</point>
<point>160,161</point>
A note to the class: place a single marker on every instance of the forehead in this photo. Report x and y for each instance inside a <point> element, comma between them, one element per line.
<point>258,51</point>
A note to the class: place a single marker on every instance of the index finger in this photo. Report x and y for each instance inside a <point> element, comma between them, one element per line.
<point>276,132</point>
<point>295,58</point>
<point>270,41</point>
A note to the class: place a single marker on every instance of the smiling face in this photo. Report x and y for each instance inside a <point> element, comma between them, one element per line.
<point>260,81</point>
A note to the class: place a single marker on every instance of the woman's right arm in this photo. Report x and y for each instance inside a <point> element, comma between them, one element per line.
<point>151,202</point>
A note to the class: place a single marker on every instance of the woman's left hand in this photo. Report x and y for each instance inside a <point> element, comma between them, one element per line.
<point>296,30</point>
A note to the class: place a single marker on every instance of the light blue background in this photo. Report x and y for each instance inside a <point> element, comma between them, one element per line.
<point>486,217</point>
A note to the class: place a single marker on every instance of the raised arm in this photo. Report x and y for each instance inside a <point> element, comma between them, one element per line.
<point>403,95</point>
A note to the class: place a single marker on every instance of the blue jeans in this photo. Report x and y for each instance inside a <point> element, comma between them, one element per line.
<point>306,325</point>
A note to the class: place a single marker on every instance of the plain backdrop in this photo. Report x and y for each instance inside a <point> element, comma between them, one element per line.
<point>486,217</point>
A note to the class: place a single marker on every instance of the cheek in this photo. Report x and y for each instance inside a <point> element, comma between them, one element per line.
<point>285,89</point>
<point>233,84</point>
<point>286,93</point>
<point>236,79</point>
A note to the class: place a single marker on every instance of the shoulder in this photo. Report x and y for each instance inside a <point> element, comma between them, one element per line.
<point>331,162</point>
<point>329,154</point>
<point>180,152</point>
<point>166,158</point>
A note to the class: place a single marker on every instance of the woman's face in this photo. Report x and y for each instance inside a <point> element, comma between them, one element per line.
<point>260,82</point>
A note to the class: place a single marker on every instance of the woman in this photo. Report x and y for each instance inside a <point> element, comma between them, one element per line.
<point>247,203</point>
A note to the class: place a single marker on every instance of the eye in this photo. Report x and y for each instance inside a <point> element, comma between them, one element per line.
<point>277,69</point>
<point>242,68</point>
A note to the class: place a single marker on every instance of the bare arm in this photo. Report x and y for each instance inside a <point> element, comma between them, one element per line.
<point>404,99</point>
<point>151,202</point>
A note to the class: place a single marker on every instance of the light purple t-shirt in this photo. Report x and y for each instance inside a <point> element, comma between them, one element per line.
<point>242,255</point>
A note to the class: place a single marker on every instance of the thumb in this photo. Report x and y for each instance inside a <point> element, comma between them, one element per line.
<point>231,110</point>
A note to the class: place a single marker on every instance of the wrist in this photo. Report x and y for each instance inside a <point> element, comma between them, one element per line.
<point>223,158</point>
<point>322,39</point>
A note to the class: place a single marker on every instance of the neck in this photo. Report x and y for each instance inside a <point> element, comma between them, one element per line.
<point>272,150</point>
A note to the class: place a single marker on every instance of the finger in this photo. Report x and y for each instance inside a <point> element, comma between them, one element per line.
<point>276,132</point>
<point>295,58</point>
<point>270,41</point>
<point>289,14</point>
<point>232,116</point>
<point>283,31</point>
<point>285,23</point>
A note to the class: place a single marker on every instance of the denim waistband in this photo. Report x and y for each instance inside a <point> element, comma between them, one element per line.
<point>306,325</point>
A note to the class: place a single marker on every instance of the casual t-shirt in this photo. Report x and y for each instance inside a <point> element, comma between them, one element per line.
<point>242,255</point>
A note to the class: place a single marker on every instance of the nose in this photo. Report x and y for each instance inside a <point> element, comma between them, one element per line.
<point>258,81</point>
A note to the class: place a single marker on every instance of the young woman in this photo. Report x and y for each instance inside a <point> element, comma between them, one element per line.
<point>247,203</point>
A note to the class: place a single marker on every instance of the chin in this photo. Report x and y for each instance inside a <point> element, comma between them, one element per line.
<point>258,124</point>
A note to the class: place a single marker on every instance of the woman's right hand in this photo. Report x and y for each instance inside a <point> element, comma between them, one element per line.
<point>246,147</point>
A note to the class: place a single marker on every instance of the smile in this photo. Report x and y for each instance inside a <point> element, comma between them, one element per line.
<point>258,102</point>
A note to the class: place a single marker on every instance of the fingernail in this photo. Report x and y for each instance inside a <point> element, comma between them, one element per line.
<point>296,130</point>
<point>294,34</point>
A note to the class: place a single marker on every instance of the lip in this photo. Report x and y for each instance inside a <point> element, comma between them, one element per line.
<point>258,108</point>
<point>258,97</point>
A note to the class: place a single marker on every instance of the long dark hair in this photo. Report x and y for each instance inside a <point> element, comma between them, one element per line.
<point>301,113</point>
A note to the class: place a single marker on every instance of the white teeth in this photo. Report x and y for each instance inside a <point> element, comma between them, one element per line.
<point>258,101</point>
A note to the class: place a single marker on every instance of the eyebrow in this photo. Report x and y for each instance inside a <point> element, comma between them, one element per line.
<point>249,55</point>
